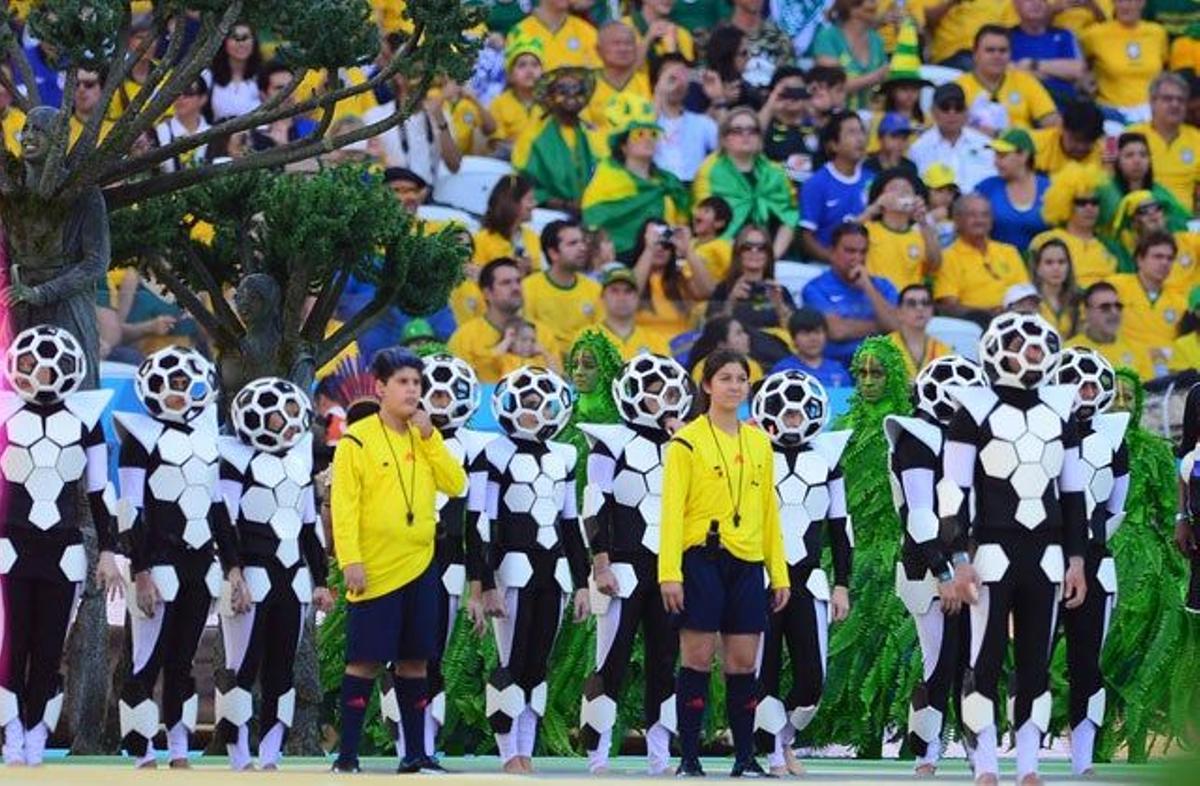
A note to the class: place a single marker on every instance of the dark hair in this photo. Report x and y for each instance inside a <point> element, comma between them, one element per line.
<point>1156,237</point>
<point>1191,421</point>
<point>1099,286</point>
<point>735,265</point>
<point>487,273</point>
<point>785,72</point>
<point>1188,323</point>
<point>1132,138</point>
<point>672,277</point>
<point>722,213</point>
<point>806,319</point>
<point>889,99</point>
<point>721,51</point>
<point>552,233</point>
<point>987,30</point>
<point>721,358</point>
<point>847,228</point>
<point>829,76</point>
<point>831,132</point>
<point>896,173</point>
<point>913,288</point>
<point>504,204</point>
<point>1084,119</point>
<point>269,69</point>
<point>389,360</point>
<point>712,334</point>
<point>222,73</point>
<point>657,64</point>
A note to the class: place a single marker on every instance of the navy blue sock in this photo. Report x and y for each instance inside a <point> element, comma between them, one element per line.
<point>691,694</point>
<point>412,694</point>
<point>356,694</point>
<point>740,702</point>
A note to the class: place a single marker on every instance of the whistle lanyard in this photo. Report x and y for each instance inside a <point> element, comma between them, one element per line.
<point>736,501</point>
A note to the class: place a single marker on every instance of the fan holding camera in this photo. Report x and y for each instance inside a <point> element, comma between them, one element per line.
<point>671,278</point>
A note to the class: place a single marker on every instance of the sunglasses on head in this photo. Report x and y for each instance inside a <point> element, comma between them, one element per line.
<point>952,106</point>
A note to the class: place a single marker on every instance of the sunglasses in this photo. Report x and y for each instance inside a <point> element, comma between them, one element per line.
<point>952,106</point>
<point>920,303</point>
<point>568,90</point>
<point>644,135</point>
<point>1087,202</point>
<point>753,246</point>
<point>88,84</point>
<point>1107,307</point>
<point>241,38</point>
<point>743,131</point>
<point>1147,209</point>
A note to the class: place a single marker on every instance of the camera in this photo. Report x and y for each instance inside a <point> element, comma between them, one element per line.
<point>666,236</point>
<point>794,93</point>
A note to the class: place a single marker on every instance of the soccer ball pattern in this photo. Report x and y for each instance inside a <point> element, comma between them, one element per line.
<point>44,455</point>
<point>631,391</point>
<point>183,478</point>
<point>802,487</point>
<point>276,495</point>
<point>1019,350</point>
<point>791,393</point>
<point>1080,365</point>
<point>271,414</point>
<point>934,381</point>
<point>1025,450</point>
<point>532,393</point>
<point>454,378</point>
<point>178,371</point>
<point>45,351</point>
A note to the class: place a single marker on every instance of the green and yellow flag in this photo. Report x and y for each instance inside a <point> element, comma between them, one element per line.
<point>619,202</point>
<point>766,196</point>
<point>558,161</point>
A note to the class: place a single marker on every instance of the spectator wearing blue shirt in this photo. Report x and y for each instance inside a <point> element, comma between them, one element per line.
<point>855,304</point>
<point>1049,53</point>
<point>50,82</point>
<point>809,335</point>
<point>1016,193</point>
<point>837,192</point>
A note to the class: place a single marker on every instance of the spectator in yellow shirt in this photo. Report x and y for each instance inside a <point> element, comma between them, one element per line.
<point>1126,54</point>
<point>1053,272</point>
<point>710,217</point>
<point>1000,96</point>
<point>1185,350</point>
<point>567,40</point>
<point>619,76</point>
<point>903,246</point>
<point>619,325</point>
<point>657,35</point>
<point>1174,146</point>
<point>1101,331</point>
<point>1072,206</point>
<point>1152,310</point>
<point>88,88</point>
<point>1080,138</point>
<point>560,296</point>
<point>916,346</point>
<point>953,25</point>
<point>516,106</point>
<point>506,231</point>
<point>12,119</point>
<point>976,271</point>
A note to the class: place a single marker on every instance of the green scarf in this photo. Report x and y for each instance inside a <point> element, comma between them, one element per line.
<point>771,198</point>
<point>559,171</point>
<point>619,201</point>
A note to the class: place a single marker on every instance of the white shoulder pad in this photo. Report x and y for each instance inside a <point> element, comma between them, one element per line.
<point>88,405</point>
<point>1059,398</point>
<point>474,442</point>
<point>236,452</point>
<point>976,400</point>
<point>929,434</point>
<point>145,429</point>
<point>613,436</point>
<point>207,421</point>
<point>500,451</point>
<point>566,452</point>
<point>829,445</point>
<point>1112,426</point>
<point>10,404</point>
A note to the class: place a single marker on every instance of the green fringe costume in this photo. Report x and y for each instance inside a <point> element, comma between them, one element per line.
<point>874,661</point>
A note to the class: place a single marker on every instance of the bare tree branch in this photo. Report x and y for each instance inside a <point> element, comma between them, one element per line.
<point>322,310</point>
<point>221,306</point>
<point>18,97</point>
<point>224,336</point>
<point>60,139</point>
<point>86,143</point>
<point>328,349</point>
<point>17,52</point>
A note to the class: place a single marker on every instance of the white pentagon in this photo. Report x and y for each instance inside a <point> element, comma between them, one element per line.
<point>258,581</point>
<point>811,468</point>
<point>64,428</point>
<point>1052,458</point>
<point>288,554</point>
<point>949,498</point>
<point>71,462</point>
<point>545,512</point>
<point>388,706</point>
<point>651,509</point>
<point>268,469</point>
<point>24,428</point>
<point>236,706</point>
<point>286,523</point>
<point>73,562</point>
<point>543,486</point>
<point>667,714</point>
<point>1096,450</point>
<point>1039,712</point>
<point>166,581</point>
<point>641,454</point>
<point>926,723</point>
<point>1052,563</point>
<point>552,463</point>
<point>203,445</point>
<point>166,482</point>
<point>1007,422</point>
<point>213,579</point>
<point>1030,481</point>
<point>654,479</point>
<point>9,710</point>
<point>52,710</point>
<point>978,712</point>
<point>599,713</point>
<point>197,471</point>
<point>8,555</point>
<point>285,708</point>
<point>1095,707</point>
<point>196,533</point>
<point>537,698</point>
<point>1044,422</point>
<point>1106,575</point>
<point>802,716</point>
<point>195,501</point>
<point>562,574</point>
<point>302,585</point>
<point>44,484</point>
<point>298,468</point>
<point>44,453</point>
<point>922,525</point>
<point>1102,484</point>
<point>287,494</point>
<point>818,584</point>
<point>781,468</point>
<point>651,537</point>
<point>174,447</point>
<point>1030,513</point>
<point>454,578</point>
<point>770,715</point>
<point>629,487</point>
<point>44,514</point>
<point>258,504</point>
<point>547,537</point>
<point>16,463</point>
<point>917,596</point>
<point>437,707</point>
<point>1113,524</point>
<point>999,458</point>
<point>515,570</point>
<point>817,502</point>
<point>1029,448</point>
<point>523,468</point>
<point>142,719</point>
<point>793,531</point>
<point>791,490</point>
<point>991,563</point>
<point>519,497</point>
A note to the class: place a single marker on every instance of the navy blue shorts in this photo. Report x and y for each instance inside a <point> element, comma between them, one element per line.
<point>723,595</point>
<point>401,625</point>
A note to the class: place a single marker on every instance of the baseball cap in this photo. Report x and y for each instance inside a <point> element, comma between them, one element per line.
<point>894,123</point>
<point>395,174</point>
<point>1018,292</point>
<point>939,175</point>
<point>1012,140</point>
<point>951,91</point>
<point>416,330</point>
<point>617,274</point>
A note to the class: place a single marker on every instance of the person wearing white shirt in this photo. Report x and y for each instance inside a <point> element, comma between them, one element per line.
<point>950,142</point>
<point>233,78</point>
<point>187,120</point>
<point>422,141</point>
<point>688,137</point>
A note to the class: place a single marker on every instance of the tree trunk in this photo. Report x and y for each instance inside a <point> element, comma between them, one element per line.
<point>87,653</point>
<point>305,737</point>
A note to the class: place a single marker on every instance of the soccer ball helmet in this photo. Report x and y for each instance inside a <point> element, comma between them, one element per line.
<point>1084,367</point>
<point>1019,350</point>
<point>791,406</point>
<point>45,363</point>
<point>271,414</point>
<point>452,393</point>
<point>532,403</point>
<point>650,389</point>
<point>933,383</point>
<point>176,372</point>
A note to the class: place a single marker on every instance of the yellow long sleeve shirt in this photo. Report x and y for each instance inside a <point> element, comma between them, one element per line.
<point>696,491</point>
<point>371,507</point>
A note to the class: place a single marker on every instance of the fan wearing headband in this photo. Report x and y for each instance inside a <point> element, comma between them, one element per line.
<point>925,571</point>
<point>266,480</point>
<point>52,440</point>
<point>1014,445</point>
<point>793,408</point>
<point>1105,461</point>
<point>622,509</point>
<point>450,396</point>
<point>173,514</point>
<point>529,545</point>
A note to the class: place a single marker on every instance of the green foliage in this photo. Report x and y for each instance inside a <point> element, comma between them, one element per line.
<point>320,33</point>
<point>82,31</point>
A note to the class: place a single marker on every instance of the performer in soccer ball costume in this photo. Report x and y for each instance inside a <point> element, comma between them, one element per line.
<point>792,408</point>
<point>1015,446</point>
<point>925,570</point>
<point>535,553</point>
<point>622,511</point>
<point>450,397</point>
<point>172,509</point>
<point>52,439</point>
<point>1105,462</point>
<point>266,480</point>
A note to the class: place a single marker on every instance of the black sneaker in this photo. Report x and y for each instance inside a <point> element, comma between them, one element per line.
<point>750,768</point>
<point>424,765</point>
<point>345,766</point>
<point>689,768</point>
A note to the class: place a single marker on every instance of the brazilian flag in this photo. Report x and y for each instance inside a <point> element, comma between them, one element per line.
<point>559,162</point>
<point>766,197</point>
<point>619,202</point>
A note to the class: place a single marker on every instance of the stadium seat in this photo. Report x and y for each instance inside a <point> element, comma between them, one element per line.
<point>961,335</point>
<point>444,213</point>
<point>543,216</point>
<point>794,275</point>
<point>469,188</point>
<point>937,75</point>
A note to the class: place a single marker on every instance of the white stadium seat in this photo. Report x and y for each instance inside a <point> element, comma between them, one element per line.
<point>469,188</point>
<point>543,216</point>
<point>962,336</point>
<point>794,275</point>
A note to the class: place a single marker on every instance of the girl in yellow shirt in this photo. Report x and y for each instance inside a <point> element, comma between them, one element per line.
<point>506,231</point>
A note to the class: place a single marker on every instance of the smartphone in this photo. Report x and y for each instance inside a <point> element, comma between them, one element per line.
<point>1110,147</point>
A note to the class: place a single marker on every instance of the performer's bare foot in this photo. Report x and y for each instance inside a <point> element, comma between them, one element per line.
<point>1032,779</point>
<point>514,766</point>
<point>148,765</point>
<point>270,767</point>
<point>793,764</point>
<point>527,763</point>
<point>925,771</point>
<point>987,779</point>
<point>180,764</point>
<point>1088,773</point>
<point>780,770</point>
